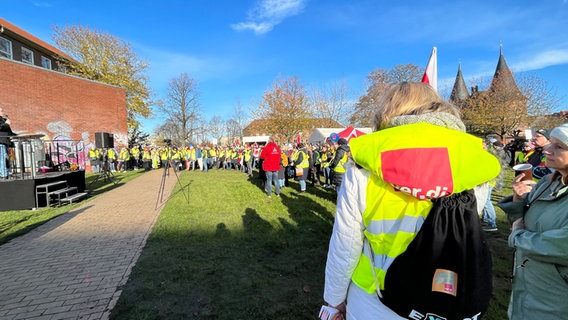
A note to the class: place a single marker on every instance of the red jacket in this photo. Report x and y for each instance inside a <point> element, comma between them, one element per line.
<point>271,156</point>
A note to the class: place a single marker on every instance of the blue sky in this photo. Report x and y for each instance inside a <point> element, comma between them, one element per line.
<point>235,49</point>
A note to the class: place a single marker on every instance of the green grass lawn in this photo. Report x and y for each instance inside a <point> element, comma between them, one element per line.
<point>233,253</point>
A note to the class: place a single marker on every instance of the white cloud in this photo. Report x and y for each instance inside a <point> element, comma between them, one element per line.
<point>268,13</point>
<point>258,28</point>
<point>42,4</point>
<point>543,59</point>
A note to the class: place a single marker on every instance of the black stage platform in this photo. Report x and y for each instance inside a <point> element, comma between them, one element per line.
<point>20,194</point>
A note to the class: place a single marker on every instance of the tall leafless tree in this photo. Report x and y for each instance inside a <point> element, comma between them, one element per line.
<point>182,109</point>
<point>332,101</point>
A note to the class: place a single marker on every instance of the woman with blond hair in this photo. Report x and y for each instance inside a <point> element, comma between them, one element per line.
<point>418,153</point>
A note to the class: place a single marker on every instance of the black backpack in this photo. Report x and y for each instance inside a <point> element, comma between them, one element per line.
<point>445,273</point>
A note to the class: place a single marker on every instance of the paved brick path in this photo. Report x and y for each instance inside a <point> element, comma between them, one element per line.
<point>73,267</point>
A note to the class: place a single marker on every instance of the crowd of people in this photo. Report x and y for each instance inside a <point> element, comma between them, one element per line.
<point>314,164</point>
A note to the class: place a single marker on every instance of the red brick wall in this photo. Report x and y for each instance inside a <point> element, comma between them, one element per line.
<point>59,106</point>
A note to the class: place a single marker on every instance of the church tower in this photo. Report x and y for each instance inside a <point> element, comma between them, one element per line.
<point>503,78</point>
<point>459,92</point>
<point>503,82</point>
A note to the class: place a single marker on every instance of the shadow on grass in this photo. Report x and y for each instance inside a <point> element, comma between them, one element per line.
<point>180,189</point>
<point>100,183</point>
<point>291,182</point>
<point>263,269</point>
<point>97,184</point>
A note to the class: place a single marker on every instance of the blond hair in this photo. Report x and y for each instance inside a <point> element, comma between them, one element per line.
<point>409,98</point>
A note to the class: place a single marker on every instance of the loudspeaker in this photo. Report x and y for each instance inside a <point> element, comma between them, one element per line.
<point>104,140</point>
<point>99,139</point>
<point>109,140</point>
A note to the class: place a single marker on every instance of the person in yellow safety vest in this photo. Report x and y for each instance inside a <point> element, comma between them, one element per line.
<point>164,157</point>
<point>186,154</point>
<point>337,165</point>
<point>325,157</point>
<point>205,154</point>
<point>155,154</point>
<point>191,157</point>
<point>227,158</point>
<point>112,157</point>
<point>235,158</point>
<point>123,158</point>
<point>135,157</point>
<point>301,161</point>
<point>315,165</point>
<point>523,155</point>
<point>248,160</point>
<point>221,158</point>
<point>146,158</point>
<point>383,201</point>
<point>176,157</point>
<point>213,157</point>
<point>94,158</point>
<point>282,173</point>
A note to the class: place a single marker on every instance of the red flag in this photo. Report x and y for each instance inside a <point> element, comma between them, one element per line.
<point>431,74</point>
<point>299,138</point>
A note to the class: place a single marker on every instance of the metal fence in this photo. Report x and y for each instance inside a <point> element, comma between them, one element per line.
<point>29,157</point>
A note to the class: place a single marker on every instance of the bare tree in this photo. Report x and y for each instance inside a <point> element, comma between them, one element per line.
<point>407,72</point>
<point>238,120</point>
<point>233,130</point>
<point>217,128</point>
<point>169,130</point>
<point>332,101</point>
<point>542,101</point>
<point>182,109</point>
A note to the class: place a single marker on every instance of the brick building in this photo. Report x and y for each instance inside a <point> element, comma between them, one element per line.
<point>41,99</point>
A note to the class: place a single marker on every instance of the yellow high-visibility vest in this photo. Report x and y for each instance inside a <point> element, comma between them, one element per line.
<point>305,161</point>
<point>340,167</point>
<point>410,165</point>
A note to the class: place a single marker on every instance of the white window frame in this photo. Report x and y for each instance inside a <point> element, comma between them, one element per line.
<point>30,52</point>
<point>3,53</point>
<point>46,62</point>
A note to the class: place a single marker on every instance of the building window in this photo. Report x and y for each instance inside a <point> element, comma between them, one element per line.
<point>5,48</point>
<point>46,63</point>
<point>27,56</point>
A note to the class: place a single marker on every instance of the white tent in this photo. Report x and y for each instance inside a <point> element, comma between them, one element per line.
<point>321,134</point>
<point>257,139</point>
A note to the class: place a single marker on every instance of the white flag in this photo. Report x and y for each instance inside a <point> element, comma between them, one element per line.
<point>431,74</point>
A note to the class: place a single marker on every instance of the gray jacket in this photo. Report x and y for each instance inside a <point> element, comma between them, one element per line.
<point>540,282</point>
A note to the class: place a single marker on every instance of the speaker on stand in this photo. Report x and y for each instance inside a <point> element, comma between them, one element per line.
<point>104,140</point>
